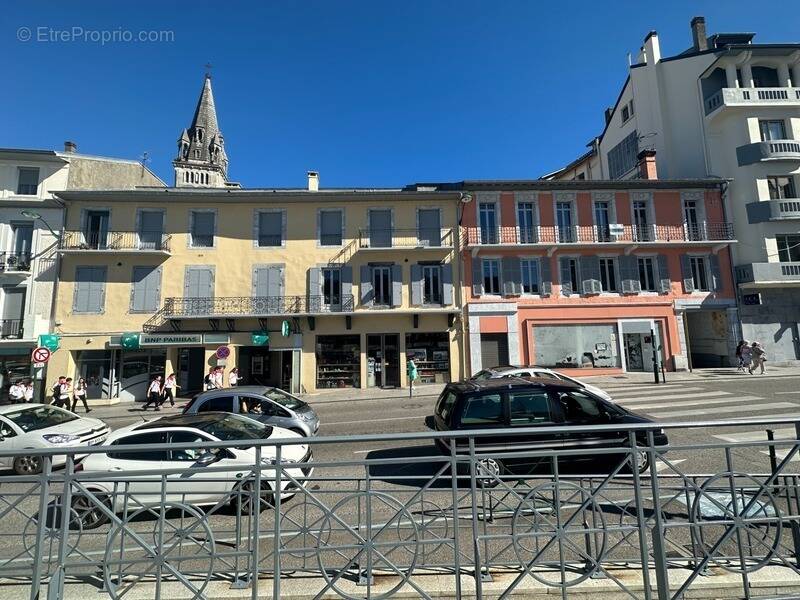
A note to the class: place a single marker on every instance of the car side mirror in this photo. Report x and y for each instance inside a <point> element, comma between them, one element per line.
<point>207,458</point>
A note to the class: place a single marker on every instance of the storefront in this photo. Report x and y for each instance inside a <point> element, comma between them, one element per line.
<point>431,352</point>
<point>276,367</point>
<point>123,374</point>
<point>15,365</point>
<point>338,360</point>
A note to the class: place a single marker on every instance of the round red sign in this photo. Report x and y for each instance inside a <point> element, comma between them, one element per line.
<point>223,352</point>
<point>40,355</point>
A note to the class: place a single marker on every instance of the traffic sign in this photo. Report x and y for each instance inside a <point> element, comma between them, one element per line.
<point>40,354</point>
<point>38,365</point>
<point>51,341</point>
<point>223,352</point>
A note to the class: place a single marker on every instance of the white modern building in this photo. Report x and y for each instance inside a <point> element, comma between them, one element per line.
<point>726,107</point>
<point>30,223</point>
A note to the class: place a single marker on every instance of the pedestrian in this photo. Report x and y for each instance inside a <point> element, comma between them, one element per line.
<point>233,377</point>
<point>413,374</point>
<point>739,347</point>
<point>154,393</point>
<point>66,393</point>
<point>759,358</point>
<point>79,395</point>
<point>56,391</point>
<point>747,357</point>
<point>219,378</point>
<point>28,391</point>
<point>170,385</point>
<point>209,380</point>
<point>16,393</point>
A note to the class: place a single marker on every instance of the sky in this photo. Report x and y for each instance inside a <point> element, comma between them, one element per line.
<point>368,93</point>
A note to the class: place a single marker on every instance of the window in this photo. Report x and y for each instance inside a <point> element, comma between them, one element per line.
<point>146,289</point>
<point>330,227</point>
<point>151,229</point>
<point>431,284</point>
<point>6,431</point>
<point>491,276</point>
<point>331,286</point>
<point>781,187</point>
<point>772,130</point>
<point>581,408</point>
<point>444,407</point>
<point>382,285</point>
<point>564,222</point>
<point>22,239</point>
<point>186,437</point>
<point>526,221</point>
<point>28,182</point>
<point>647,274</point>
<point>146,440</point>
<point>608,274</point>
<point>699,273</point>
<point>602,221</point>
<point>487,214</point>
<point>270,228</point>
<point>788,248</point>
<point>90,283</point>
<point>641,222</point>
<point>569,276</point>
<point>203,225</point>
<point>530,275</point>
<point>529,407</point>
<point>217,404</point>
<point>622,157</point>
<point>626,113</point>
<point>483,410</point>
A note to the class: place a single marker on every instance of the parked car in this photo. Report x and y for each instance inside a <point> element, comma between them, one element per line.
<point>541,372</point>
<point>188,481</point>
<point>267,404</point>
<point>540,406</point>
<point>36,426</point>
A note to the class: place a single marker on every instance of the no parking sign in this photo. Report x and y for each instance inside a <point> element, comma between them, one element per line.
<point>223,352</point>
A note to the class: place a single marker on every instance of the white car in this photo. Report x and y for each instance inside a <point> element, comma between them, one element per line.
<point>131,480</point>
<point>37,426</point>
<point>542,372</point>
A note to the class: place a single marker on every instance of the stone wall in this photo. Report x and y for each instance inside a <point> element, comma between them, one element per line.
<point>775,323</point>
<point>98,174</point>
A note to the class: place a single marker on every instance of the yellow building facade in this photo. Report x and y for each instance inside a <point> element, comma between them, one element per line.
<point>346,285</point>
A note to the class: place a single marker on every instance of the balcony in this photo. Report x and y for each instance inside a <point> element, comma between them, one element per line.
<point>768,274</point>
<point>15,263</point>
<point>751,97</point>
<point>10,329</point>
<point>121,242</point>
<point>590,235</point>
<point>773,210</point>
<point>768,151</point>
<point>435,238</point>
<point>232,307</point>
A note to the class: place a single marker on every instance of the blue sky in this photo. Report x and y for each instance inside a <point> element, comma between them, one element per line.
<point>370,93</point>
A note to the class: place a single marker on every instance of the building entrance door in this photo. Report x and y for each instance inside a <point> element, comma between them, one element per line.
<point>633,351</point>
<point>383,358</point>
<point>191,370</point>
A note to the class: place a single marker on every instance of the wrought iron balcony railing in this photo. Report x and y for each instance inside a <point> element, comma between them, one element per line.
<point>11,329</point>
<point>423,237</point>
<point>600,234</point>
<point>15,261</point>
<point>134,241</point>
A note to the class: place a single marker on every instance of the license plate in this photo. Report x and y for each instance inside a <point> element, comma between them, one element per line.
<point>98,441</point>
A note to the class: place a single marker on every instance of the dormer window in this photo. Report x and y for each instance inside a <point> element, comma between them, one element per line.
<point>199,135</point>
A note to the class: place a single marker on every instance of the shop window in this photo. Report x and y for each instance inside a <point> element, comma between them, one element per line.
<point>431,353</point>
<point>583,346</point>
<point>338,361</point>
<point>483,410</point>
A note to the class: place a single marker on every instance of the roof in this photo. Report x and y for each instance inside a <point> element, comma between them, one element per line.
<point>576,184</point>
<point>193,420</point>
<point>244,389</point>
<point>513,383</point>
<point>28,154</point>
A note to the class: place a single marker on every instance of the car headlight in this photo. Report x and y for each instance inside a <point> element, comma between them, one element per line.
<point>270,460</point>
<point>60,438</point>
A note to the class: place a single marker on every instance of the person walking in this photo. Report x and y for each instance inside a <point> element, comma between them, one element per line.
<point>170,387</point>
<point>154,394</point>
<point>739,347</point>
<point>28,393</point>
<point>209,382</point>
<point>759,358</point>
<point>66,393</point>
<point>233,377</point>
<point>56,391</point>
<point>16,393</point>
<point>413,374</point>
<point>79,395</point>
<point>219,378</point>
<point>747,357</point>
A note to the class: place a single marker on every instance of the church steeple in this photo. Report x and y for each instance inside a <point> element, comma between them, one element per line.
<point>201,160</point>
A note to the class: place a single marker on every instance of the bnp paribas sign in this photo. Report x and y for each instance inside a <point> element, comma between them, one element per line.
<point>171,339</point>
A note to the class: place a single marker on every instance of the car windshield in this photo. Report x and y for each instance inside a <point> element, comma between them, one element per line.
<point>285,399</point>
<point>482,375</point>
<point>39,417</point>
<point>233,427</point>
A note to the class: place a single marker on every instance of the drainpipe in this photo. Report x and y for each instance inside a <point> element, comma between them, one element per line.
<point>464,199</point>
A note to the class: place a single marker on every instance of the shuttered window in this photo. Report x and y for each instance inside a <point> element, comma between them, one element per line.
<point>270,228</point>
<point>90,285</point>
<point>530,275</point>
<point>331,225</point>
<point>28,183</point>
<point>146,289</point>
<point>203,225</point>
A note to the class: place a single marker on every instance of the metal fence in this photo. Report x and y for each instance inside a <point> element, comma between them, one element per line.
<point>405,517</point>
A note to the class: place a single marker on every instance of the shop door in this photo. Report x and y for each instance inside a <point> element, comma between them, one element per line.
<point>633,351</point>
<point>94,372</point>
<point>494,350</point>
<point>383,357</point>
<point>191,370</point>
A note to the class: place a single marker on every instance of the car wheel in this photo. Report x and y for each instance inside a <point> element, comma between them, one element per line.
<point>642,459</point>
<point>245,494</point>
<point>28,465</point>
<point>488,472</point>
<point>91,516</point>
<point>298,431</point>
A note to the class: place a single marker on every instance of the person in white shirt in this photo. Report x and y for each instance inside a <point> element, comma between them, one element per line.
<point>233,377</point>
<point>219,378</point>
<point>29,391</point>
<point>170,386</point>
<point>16,393</point>
<point>154,393</point>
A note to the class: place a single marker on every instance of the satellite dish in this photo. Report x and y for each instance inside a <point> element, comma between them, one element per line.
<point>466,198</point>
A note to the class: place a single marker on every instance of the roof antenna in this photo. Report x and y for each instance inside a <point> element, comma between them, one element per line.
<point>208,70</point>
<point>144,159</point>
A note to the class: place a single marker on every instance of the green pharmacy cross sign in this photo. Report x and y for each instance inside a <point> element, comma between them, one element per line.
<point>286,328</point>
<point>130,341</point>
<point>51,341</point>
<point>259,338</point>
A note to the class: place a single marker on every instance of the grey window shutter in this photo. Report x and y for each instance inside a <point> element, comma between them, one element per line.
<point>314,291</point>
<point>365,286</point>
<point>664,280</point>
<point>207,290</point>
<point>274,281</point>
<point>145,289</point>
<point>629,274</point>
<point>512,276</point>
<point>416,285</point>
<point>686,274</point>
<point>397,285</point>
<point>716,273</point>
<point>565,277</point>
<point>97,289</point>
<point>447,284</point>
<point>188,274</point>
<point>546,276</point>
<point>347,283</point>
<point>477,276</point>
<point>260,282</point>
<point>82,283</point>
<point>590,274</point>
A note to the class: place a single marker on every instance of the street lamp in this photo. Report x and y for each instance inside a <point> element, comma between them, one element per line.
<point>34,215</point>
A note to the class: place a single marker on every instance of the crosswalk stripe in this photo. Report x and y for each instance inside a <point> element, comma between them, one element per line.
<point>726,409</point>
<point>655,390</point>
<point>791,415</point>
<point>638,387</point>
<point>688,403</point>
<point>677,396</point>
<point>756,436</point>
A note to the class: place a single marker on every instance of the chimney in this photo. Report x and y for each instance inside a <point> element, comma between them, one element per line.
<point>70,146</point>
<point>699,38</point>
<point>652,49</point>
<point>647,164</point>
<point>313,181</point>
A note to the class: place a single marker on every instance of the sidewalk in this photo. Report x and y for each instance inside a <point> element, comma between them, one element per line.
<point>718,373</point>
